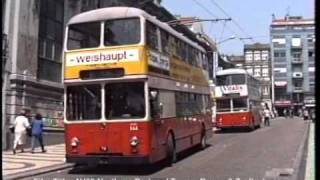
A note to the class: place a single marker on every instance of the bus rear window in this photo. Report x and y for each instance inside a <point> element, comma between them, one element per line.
<point>83,35</point>
<point>223,105</point>
<point>84,102</point>
<point>122,32</point>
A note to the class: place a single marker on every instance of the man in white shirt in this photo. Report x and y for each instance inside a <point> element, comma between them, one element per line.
<point>20,124</point>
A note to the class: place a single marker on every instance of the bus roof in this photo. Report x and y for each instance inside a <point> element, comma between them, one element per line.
<point>234,71</point>
<point>126,12</point>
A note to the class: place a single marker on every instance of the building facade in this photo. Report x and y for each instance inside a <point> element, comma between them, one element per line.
<point>292,50</point>
<point>258,63</point>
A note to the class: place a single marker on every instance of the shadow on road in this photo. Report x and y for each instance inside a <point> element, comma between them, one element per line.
<point>131,169</point>
<point>234,130</point>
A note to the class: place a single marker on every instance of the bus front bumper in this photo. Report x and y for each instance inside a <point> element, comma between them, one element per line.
<point>102,159</point>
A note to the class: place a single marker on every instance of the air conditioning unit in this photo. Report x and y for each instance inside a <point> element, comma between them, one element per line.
<point>297,74</point>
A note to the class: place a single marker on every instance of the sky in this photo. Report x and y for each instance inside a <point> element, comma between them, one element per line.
<point>250,18</point>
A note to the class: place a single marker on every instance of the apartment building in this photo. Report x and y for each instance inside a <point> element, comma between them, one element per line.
<point>292,53</point>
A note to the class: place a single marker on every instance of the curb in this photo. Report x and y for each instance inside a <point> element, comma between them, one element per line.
<point>54,130</point>
<point>43,170</point>
<point>299,163</point>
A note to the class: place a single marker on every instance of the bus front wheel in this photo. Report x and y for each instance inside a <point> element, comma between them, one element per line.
<point>171,150</point>
<point>203,141</point>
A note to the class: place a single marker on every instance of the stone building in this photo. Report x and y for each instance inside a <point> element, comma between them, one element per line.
<point>258,63</point>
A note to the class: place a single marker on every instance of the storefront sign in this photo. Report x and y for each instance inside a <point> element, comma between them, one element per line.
<point>282,103</point>
<point>280,83</point>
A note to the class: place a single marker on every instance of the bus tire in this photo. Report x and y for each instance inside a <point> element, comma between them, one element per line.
<point>203,140</point>
<point>252,126</point>
<point>171,150</point>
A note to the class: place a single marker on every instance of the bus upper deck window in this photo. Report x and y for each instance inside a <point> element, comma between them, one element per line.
<point>122,32</point>
<point>84,35</point>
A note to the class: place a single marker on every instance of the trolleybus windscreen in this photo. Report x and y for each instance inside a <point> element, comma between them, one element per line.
<point>125,100</point>
<point>122,32</point>
<point>84,35</point>
<point>84,102</point>
<point>225,80</point>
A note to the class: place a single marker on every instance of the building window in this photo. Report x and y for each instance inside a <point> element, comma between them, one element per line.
<point>264,56</point>
<point>50,40</point>
<point>311,54</point>
<point>265,72</point>
<point>257,72</point>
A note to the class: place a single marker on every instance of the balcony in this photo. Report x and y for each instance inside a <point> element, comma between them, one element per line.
<point>297,75</point>
<point>298,89</point>
<point>296,61</point>
<point>296,46</point>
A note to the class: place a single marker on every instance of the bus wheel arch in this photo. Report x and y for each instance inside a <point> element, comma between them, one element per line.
<point>171,148</point>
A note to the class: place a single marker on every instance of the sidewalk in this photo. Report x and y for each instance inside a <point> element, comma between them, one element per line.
<point>26,164</point>
<point>310,165</point>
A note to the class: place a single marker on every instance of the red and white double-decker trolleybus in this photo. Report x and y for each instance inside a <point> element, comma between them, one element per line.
<point>136,91</point>
<point>238,99</point>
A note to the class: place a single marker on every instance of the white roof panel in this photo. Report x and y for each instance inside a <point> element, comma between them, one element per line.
<point>231,71</point>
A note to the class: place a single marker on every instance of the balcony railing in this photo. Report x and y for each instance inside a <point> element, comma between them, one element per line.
<point>297,89</point>
<point>296,46</point>
<point>297,75</point>
<point>297,60</point>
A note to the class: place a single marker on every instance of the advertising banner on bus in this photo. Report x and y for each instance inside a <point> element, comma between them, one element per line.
<point>240,90</point>
<point>101,57</point>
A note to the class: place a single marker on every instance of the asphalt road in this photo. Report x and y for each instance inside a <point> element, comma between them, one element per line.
<point>274,152</point>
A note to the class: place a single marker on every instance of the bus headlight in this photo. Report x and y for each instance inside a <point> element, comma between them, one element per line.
<point>74,142</point>
<point>134,141</point>
<point>244,118</point>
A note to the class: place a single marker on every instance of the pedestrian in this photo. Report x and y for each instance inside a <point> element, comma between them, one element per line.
<point>291,113</point>
<point>285,113</point>
<point>313,115</point>
<point>21,125</point>
<point>305,114</point>
<point>37,129</point>
<point>266,115</point>
<point>300,112</point>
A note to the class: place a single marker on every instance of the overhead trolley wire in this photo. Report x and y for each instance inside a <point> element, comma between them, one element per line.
<point>234,21</point>
<point>209,12</point>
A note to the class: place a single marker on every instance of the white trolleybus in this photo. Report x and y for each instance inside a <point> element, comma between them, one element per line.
<point>238,99</point>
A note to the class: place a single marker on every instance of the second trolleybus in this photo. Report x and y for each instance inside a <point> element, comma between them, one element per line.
<point>238,99</point>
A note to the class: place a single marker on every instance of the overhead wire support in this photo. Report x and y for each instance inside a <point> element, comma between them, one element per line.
<point>235,22</point>
<point>187,21</point>
<point>209,12</point>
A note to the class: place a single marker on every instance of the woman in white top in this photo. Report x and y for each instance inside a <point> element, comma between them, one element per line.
<point>20,124</point>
